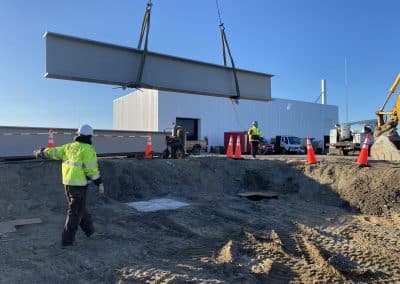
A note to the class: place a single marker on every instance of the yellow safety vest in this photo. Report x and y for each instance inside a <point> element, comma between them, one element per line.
<point>254,133</point>
<point>79,162</point>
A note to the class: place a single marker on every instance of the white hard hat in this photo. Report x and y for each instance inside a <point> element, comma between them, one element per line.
<point>85,129</point>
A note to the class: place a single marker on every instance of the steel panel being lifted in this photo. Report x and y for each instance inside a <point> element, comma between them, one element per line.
<point>73,58</point>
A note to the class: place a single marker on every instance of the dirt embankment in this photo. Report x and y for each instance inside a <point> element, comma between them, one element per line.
<point>307,234</point>
<point>372,190</point>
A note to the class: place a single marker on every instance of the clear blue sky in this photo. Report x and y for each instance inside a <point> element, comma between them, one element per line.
<point>299,41</point>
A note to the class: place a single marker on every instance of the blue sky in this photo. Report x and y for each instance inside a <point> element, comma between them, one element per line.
<point>299,41</point>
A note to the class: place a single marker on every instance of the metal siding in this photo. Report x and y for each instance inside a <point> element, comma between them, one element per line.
<point>23,145</point>
<point>275,117</point>
<point>85,60</point>
<point>137,111</point>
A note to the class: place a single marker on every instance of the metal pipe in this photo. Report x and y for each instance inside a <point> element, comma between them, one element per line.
<point>323,91</point>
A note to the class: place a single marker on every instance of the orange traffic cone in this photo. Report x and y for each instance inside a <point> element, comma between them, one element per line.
<point>238,150</point>
<point>311,159</point>
<point>229,151</point>
<point>148,154</point>
<point>363,157</point>
<point>50,143</point>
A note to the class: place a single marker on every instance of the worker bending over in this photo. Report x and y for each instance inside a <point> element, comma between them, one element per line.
<point>255,136</point>
<point>79,164</point>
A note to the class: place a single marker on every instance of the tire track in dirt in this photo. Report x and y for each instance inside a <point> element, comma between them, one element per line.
<point>355,255</point>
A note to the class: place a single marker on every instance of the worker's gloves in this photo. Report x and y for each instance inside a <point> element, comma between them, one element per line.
<point>101,190</point>
<point>39,154</point>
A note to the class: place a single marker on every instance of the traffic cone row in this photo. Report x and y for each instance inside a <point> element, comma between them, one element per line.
<point>50,142</point>
<point>148,154</point>
<point>238,150</point>
<point>363,157</point>
<point>311,159</point>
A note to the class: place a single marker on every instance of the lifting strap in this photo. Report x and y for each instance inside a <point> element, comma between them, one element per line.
<point>225,47</point>
<point>144,33</point>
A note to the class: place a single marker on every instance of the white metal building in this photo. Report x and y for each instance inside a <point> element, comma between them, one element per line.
<point>153,110</point>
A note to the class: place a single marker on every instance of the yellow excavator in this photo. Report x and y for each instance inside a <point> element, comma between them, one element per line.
<point>387,139</point>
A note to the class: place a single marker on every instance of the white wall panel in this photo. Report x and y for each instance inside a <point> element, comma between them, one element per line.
<point>138,111</point>
<point>276,117</point>
<point>218,115</point>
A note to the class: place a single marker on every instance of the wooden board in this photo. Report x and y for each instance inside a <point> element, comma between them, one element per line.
<point>9,226</point>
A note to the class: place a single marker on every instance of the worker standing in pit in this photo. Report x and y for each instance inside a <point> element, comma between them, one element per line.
<point>79,164</point>
<point>255,136</point>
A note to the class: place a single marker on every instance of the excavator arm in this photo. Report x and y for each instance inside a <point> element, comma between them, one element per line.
<point>385,126</point>
<point>387,141</point>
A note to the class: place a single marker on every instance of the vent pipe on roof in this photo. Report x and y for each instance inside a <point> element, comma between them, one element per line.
<point>323,91</point>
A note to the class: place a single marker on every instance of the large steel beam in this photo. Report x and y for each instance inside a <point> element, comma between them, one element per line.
<point>73,58</point>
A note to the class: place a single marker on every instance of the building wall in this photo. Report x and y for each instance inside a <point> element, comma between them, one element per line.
<point>218,115</point>
<point>138,111</point>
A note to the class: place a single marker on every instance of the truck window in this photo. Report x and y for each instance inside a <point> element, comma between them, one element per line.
<point>294,140</point>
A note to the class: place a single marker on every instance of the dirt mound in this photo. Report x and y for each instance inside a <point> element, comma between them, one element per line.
<point>372,190</point>
<point>309,233</point>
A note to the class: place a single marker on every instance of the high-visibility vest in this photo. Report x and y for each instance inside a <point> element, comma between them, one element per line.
<point>254,133</point>
<point>79,162</point>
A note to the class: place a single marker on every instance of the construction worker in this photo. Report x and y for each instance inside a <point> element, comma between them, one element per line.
<point>255,136</point>
<point>79,164</point>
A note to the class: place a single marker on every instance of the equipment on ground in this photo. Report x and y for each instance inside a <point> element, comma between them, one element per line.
<point>175,143</point>
<point>341,140</point>
<point>387,139</point>
<point>178,146</point>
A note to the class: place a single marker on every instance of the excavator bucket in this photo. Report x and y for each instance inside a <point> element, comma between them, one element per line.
<point>386,148</point>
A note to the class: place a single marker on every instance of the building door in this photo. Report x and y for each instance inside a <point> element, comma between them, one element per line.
<point>191,127</point>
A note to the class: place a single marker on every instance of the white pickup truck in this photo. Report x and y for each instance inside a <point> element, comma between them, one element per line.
<point>287,144</point>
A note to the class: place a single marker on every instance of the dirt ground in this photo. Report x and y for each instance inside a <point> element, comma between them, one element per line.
<point>332,223</point>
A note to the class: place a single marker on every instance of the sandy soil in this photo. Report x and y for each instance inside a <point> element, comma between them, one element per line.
<point>332,222</point>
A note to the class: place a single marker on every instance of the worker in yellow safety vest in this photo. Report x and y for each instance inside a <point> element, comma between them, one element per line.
<point>255,136</point>
<point>79,164</point>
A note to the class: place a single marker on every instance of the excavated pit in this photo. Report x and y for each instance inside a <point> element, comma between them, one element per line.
<point>331,222</point>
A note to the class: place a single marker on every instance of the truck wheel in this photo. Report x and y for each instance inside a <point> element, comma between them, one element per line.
<point>196,150</point>
<point>283,151</point>
<point>345,152</point>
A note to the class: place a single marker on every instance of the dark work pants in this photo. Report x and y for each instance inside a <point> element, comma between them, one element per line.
<point>254,148</point>
<point>77,214</point>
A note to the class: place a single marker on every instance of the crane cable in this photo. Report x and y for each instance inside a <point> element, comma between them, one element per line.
<point>225,47</point>
<point>234,101</point>
<point>221,24</point>
<point>144,33</point>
